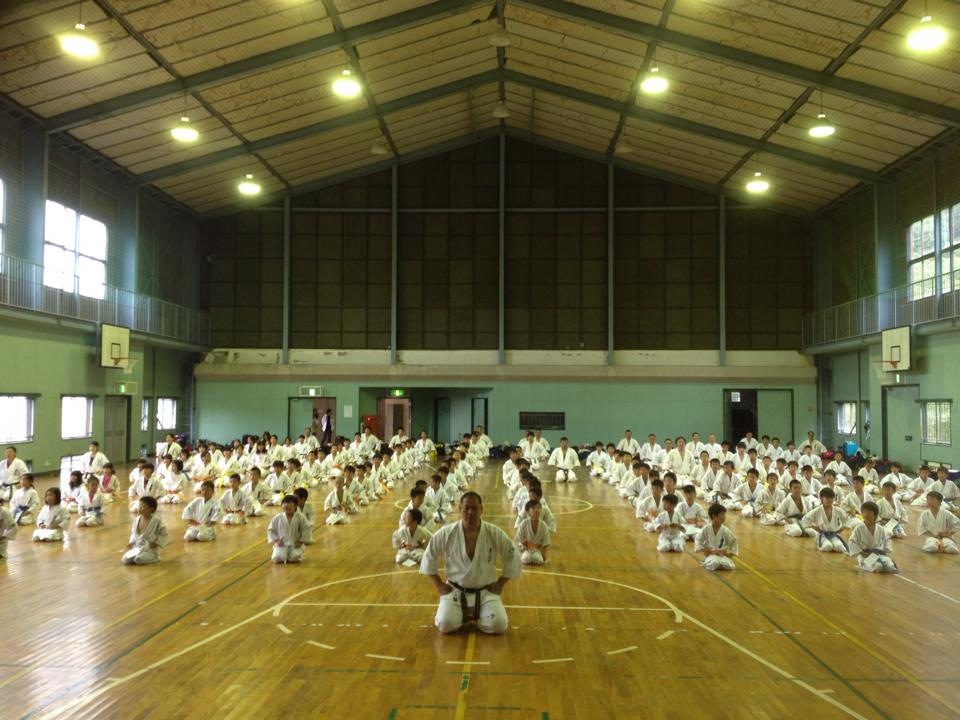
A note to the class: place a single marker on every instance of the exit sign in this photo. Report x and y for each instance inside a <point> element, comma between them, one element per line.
<point>398,392</point>
<point>126,388</point>
<point>311,391</point>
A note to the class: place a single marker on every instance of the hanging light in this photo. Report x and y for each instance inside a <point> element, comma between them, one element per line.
<point>822,128</point>
<point>623,148</point>
<point>499,37</point>
<point>758,185</point>
<point>654,83</point>
<point>184,132</point>
<point>79,43</point>
<point>926,36</point>
<point>501,111</point>
<point>379,148</point>
<point>248,186</point>
<point>346,85</point>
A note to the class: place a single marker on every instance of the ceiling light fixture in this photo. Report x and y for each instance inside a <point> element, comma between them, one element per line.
<point>758,185</point>
<point>654,83</point>
<point>79,43</point>
<point>822,128</point>
<point>380,148</point>
<point>926,36</point>
<point>623,148</point>
<point>184,132</point>
<point>346,85</point>
<point>248,186</point>
<point>501,111</point>
<point>499,37</point>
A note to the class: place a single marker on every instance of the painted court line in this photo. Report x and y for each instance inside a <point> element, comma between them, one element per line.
<point>664,636</point>
<point>284,629</point>
<point>461,710</point>
<point>509,607</point>
<point>468,662</point>
<point>622,650</point>
<point>930,589</point>
<point>552,660</point>
<point>321,645</point>
<point>385,657</point>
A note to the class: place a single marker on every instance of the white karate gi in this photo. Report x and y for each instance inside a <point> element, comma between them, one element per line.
<point>722,539</point>
<point>205,512</point>
<point>142,552</point>
<point>232,504</point>
<point>339,509</point>
<point>843,471</point>
<point>152,487</point>
<point>876,545</point>
<point>671,539</point>
<point>631,445</point>
<point>51,522</point>
<point>258,496</point>
<point>681,465</point>
<point>532,543</point>
<point>747,499</point>
<point>944,521</point>
<point>90,509</point>
<point>893,516</point>
<point>532,451</point>
<point>828,528</point>
<point>174,488</point>
<point>11,471</point>
<point>565,462</point>
<point>750,443</point>
<point>693,514</point>
<point>92,463</point>
<point>790,514</point>
<point>24,505</point>
<point>648,506</point>
<point>287,537</point>
<point>648,453</point>
<point>417,541</point>
<point>599,463</point>
<point>8,530</point>
<point>473,575</point>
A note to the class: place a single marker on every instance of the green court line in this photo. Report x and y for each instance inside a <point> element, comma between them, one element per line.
<point>393,714</point>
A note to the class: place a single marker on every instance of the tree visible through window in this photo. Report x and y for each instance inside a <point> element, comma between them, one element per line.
<point>935,421</point>
<point>847,418</point>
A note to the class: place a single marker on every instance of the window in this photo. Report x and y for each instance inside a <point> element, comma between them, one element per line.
<point>166,413</point>
<point>76,417</point>
<point>3,218</point>
<point>935,422</point>
<point>145,414</point>
<point>74,252</point>
<point>69,463</point>
<point>16,419</point>
<point>847,418</point>
<point>921,256</point>
<point>542,420</point>
<point>950,248</point>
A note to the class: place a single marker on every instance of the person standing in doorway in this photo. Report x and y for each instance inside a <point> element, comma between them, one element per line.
<point>326,427</point>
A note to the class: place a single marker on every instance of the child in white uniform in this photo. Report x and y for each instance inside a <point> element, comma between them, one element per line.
<point>891,512</point>
<point>234,503</point>
<point>533,536</point>
<point>339,503</point>
<point>91,505</point>
<point>287,533</point>
<point>411,539</point>
<point>52,519</point>
<point>694,516</point>
<point>25,501</point>
<point>202,514</point>
<point>716,541</point>
<point>938,525</point>
<point>828,521</point>
<point>147,535</point>
<point>257,492</point>
<point>870,542</point>
<point>670,522</point>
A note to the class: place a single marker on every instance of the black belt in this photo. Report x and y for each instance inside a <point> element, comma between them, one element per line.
<point>463,601</point>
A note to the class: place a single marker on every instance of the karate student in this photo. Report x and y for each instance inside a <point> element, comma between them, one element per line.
<point>287,533</point>
<point>945,486</point>
<point>147,485</point>
<point>306,509</point>
<point>818,447</point>
<point>109,484</point>
<point>470,549</point>
<point>313,468</point>
<point>8,527</point>
<point>531,450</point>
<point>437,500</point>
<point>202,514</point>
<point>871,479</point>
<point>896,476</point>
<point>91,505</point>
<point>843,471</point>
<point>174,485</point>
<point>670,523</point>
<point>890,512</point>
<point>426,449</point>
<point>870,542</point>
<point>75,489</point>
<point>790,513</point>
<point>716,541</point>
<point>807,458</point>
<point>712,446</point>
<point>916,492</point>
<point>53,518</point>
<point>546,515</point>
<point>828,521</point>
<point>169,447</point>
<point>695,445</point>
<point>747,495</point>
<point>234,503</point>
<point>257,493</point>
<point>628,443</point>
<point>417,502</point>
<point>650,451</point>
<point>698,475</point>
<point>791,453</point>
<point>565,459</point>
<point>748,441</point>
<point>599,462</point>
<point>278,482</point>
<point>938,526</point>
<point>694,516</point>
<point>854,499</point>
<point>25,501</point>
<point>680,460</point>
<point>724,485</point>
<point>765,449</point>
<point>649,506</point>
<point>533,536</point>
<point>94,460</point>
<point>769,499</point>
<point>411,538</point>
<point>147,535</point>
<point>11,469</point>
<point>339,503</point>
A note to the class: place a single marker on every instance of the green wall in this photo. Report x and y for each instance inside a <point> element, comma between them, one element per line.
<point>228,408</point>
<point>56,359</point>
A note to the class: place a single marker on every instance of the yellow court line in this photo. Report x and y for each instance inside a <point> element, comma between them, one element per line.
<point>853,639</point>
<point>140,608</point>
<point>461,710</point>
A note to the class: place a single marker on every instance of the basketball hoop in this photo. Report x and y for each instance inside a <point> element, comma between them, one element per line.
<point>126,363</point>
<point>882,367</point>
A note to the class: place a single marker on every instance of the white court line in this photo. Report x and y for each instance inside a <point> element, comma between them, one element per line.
<point>509,607</point>
<point>468,662</point>
<point>622,650</point>
<point>664,636</point>
<point>284,629</point>
<point>321,645</point>
<point>930,589</point>
<point>385,657</point>
<point>552,660</point>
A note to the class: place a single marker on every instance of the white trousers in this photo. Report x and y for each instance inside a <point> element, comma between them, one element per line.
<point>718,562</point>
<point>565,476</point>
<point>90,520</point>
<point>932,545</point>
<point>670,544</point>
<point>337,518</point>
<point>794,529</point>
<point>3,547</point>
<point>256,510</point>
<point>532,557</point>
<point>749,511</point>
<point>171,499</point>
<point>48,535</point>
<point>877,563</point>
<point>72,507</point>
<point>830,544</point>
<point>286,554</point>
<point>200,533</point>
<point>140,556</point>
<point>416,555</point>
<point>232,518</point>
<point>492,618</point>
<point>26,519</point>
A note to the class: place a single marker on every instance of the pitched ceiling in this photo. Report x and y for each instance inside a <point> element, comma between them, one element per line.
<point>747,79</point>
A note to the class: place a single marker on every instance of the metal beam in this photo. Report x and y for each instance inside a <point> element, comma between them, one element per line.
<point>259,63</point>
<point>502,250</point>
<point>319,127</point>
<point>611,214</point>
<point>722,278</point>
<point>691,126</point>
<point>394,259</point>
<point>855,89</point>
<point>285,342</point>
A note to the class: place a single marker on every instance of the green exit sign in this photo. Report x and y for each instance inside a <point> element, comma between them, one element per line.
<point>398,392</point>
<point>121,388</point>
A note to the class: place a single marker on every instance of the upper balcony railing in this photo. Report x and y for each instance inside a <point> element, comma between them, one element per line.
<point>914,304</point>
<point>21,286</point>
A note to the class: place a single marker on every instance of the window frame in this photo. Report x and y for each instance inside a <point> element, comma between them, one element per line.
<point>842,408</point>
<point>926,285</point>
<point>88,426</point>
<point>145,415</point>
<point>3,218</point>
<point>158,402</point>
<point>73,247</point>
<point>30,420</point>
<point>942,438</point>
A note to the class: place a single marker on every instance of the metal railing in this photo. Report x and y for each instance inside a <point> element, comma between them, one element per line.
<point>21,286</point>
<point>914,304</point>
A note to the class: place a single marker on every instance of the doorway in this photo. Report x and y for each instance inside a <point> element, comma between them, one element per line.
<point>739,414</point>
<point>116,426</point>
<point>775,415</point>
<point>901,429</point>
<point>478,413</point>
<point>394,413</point>
<point>307,412</point>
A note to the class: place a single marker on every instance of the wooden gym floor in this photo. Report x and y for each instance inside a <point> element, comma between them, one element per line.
<point>608,628</point>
